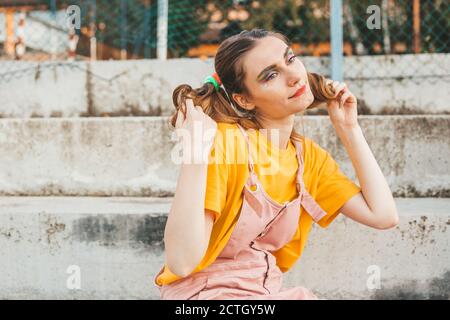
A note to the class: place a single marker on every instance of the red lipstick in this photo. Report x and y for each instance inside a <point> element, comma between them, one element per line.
<point>299,92</point>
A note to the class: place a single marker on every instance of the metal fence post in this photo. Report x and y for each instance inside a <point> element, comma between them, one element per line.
<point>337,42</point>
<point>147,30</point>
<point>52,30</point>
<point>92,5</point>
<point>163,17</point>
<point>123,31</point>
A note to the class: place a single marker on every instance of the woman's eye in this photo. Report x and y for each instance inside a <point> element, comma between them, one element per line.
<point>270,77</point>
<point>290,60</point>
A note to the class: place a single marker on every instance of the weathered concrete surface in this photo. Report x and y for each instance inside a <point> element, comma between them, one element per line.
<point>390,84</point>
<point>115,242</point>
<point>46,89</point>
<point>127,156</point>
<point>399,84</point>
<point>403,257</point>
<point>116,246</point>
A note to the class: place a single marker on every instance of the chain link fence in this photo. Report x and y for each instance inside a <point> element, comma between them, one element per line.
<point>64,31</point>
<point>397,42</point>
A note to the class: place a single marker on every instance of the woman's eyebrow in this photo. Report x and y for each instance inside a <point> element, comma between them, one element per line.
<point>272,66</point>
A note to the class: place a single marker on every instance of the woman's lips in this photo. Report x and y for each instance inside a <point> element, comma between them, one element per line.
<point>299,92</point>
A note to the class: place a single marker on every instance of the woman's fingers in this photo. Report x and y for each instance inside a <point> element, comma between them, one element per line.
<point>333,84</point>
<point>189,106</point>
<point>344,97</point>
<point>179,119</point>
<point>341,91</point>
<point>337,86</point>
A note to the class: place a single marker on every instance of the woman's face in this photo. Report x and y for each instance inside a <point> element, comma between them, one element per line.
<point>271,89</point>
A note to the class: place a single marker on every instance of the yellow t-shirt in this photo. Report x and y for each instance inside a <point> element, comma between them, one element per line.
<point>276,169</point>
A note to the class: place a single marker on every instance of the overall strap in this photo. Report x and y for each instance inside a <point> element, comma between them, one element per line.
<point>253,177</point>
<point>307,201</point>
<point>298,148</point>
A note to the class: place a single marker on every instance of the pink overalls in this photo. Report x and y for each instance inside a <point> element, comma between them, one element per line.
<point>246,268</point>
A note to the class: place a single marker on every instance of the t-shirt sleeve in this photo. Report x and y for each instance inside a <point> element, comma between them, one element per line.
<point>216,181</point>
<point>334,188</point>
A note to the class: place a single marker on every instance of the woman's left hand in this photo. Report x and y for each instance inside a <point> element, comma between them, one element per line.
<point>343,108</point>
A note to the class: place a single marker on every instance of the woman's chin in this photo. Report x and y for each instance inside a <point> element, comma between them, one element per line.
<point>301,106</point>
<point>305,103</point>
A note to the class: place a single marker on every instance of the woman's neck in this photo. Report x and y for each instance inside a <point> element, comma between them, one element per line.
<point>278,131</point>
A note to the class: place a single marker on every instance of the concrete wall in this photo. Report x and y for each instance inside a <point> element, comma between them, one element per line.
<point>125,156</point>
<point>29,89</point>
<point>115,246</point>
<point>397,84</point>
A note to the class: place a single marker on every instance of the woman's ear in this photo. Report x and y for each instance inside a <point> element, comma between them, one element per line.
<point>243,101</point>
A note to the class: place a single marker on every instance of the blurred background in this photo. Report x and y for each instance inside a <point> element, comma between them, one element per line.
<point>86,155</point>
<point>124,29</point>
<point>393,43</point>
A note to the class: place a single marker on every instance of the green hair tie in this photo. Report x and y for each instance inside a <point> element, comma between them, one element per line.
<point>213,81</point>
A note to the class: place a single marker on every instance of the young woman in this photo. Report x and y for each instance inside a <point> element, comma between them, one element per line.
<point>240,218</point>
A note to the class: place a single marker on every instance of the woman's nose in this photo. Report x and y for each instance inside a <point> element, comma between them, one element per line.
<point>293,80</point>
<point>293,77</point>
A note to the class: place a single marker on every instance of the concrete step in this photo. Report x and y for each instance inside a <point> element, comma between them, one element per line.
<point>110,248</point>
<point>131,156</point>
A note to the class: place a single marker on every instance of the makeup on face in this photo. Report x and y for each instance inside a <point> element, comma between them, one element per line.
<point>299,92</point>
<point>266,70</point>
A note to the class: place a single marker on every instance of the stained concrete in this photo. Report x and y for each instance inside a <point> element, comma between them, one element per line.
<point>116,244</point>
<point>133,156</point>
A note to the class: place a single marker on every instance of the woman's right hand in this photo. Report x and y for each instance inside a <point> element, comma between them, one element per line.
<point>197,131</point>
